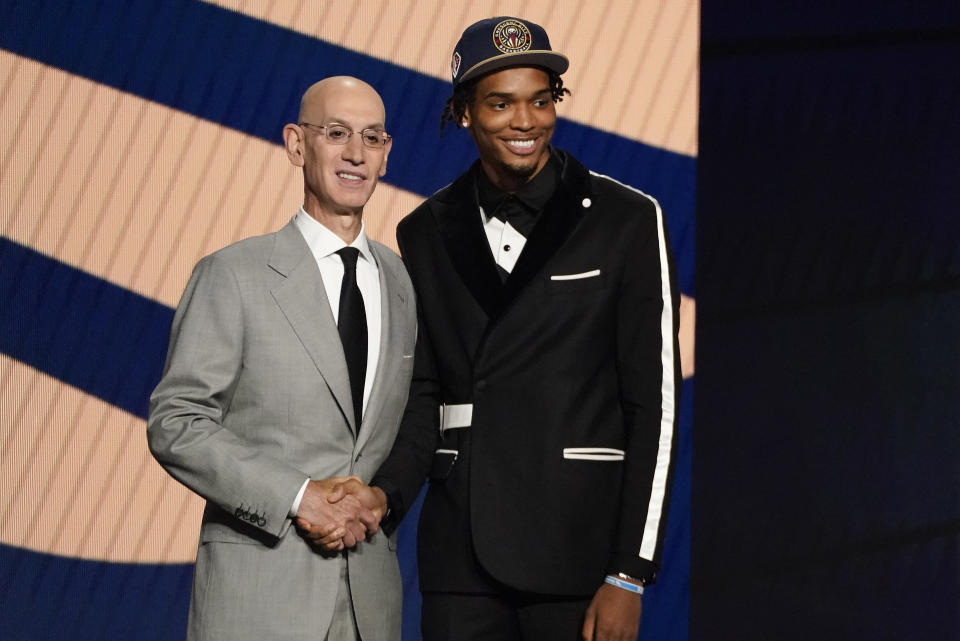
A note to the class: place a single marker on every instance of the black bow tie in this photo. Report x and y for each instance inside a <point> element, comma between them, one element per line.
<point>511,210</point>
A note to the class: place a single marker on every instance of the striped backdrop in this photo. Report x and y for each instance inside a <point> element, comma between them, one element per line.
<point>137,137</point>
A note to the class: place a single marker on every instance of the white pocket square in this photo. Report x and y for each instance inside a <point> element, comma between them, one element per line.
<point>593,273</point>
<point>593,453</point>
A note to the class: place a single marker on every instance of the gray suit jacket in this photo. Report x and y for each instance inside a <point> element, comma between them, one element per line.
<point>255,398</point>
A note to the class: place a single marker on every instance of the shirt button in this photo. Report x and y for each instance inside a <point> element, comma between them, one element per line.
<point>586,202</point>
<point>506,248</point>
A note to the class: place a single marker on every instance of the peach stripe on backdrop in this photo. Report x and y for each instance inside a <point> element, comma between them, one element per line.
<point>77,480</point>
<point>135,192</point>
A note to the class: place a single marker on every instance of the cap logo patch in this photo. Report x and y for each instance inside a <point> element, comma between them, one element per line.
<point>455,63</point>
<point>511,36</point>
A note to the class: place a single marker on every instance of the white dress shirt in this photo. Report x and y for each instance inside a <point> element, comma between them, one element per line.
<point>324,245</point>
<point>506,243</point>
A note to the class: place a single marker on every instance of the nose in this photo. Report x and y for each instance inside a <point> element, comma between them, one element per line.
<point>522,117</point>
<point>353,150</point>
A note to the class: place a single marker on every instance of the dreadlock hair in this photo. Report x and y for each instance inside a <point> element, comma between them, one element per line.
<point>464,93</point>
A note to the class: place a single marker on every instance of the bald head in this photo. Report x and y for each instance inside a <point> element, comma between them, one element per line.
<point>316,100</point>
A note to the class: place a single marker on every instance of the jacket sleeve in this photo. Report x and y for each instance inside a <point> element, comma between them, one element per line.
<point>185,429</point>
<point>404,471</point>
<point>649,369</point>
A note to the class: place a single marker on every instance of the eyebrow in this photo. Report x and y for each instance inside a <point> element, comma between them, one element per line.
<point>506,95</point>
<point>343,121</point>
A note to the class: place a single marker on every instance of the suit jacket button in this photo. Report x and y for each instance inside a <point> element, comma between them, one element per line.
<point>480,385</point>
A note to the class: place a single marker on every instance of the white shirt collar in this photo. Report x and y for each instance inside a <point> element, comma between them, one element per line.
<point>323,242</point>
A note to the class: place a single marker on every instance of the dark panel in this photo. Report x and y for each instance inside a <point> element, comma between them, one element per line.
<point>826,499</point>
<point>805,24</point>
<point>829,175</point>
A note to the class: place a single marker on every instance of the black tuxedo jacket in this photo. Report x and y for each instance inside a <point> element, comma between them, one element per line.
<point>558,387</point>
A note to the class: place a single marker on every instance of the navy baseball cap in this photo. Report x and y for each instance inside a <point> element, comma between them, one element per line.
<point>496,43</point>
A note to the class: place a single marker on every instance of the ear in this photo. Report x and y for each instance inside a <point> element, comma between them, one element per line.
<point>293,142</point>
<point>386,152</point>
<point>465,121</point>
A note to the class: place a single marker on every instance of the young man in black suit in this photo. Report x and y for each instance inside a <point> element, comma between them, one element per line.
<point>546,379</point>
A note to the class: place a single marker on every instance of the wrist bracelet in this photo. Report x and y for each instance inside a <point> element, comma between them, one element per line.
<point>626,585</point>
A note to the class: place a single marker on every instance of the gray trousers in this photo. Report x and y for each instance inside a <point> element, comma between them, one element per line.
<point>343,627</point>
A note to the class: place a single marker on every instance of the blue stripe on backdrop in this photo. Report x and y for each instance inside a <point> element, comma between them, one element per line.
<point>80,329</point>
<point>45,596</point>
<point>248,75</point>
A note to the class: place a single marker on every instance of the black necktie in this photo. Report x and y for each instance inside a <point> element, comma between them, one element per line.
<point>352,325</point>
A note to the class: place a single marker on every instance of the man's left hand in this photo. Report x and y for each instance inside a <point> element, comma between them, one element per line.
<point>613,615</point>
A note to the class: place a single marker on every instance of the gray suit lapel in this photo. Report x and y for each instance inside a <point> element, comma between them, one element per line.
<point>303,301</point>
<point>392,303</point>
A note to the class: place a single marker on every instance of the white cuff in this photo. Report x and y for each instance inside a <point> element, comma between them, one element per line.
<point>296,501</point>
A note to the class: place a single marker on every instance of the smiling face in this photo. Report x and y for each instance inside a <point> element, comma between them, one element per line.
<point>338,179</point>
<point>511,119</point>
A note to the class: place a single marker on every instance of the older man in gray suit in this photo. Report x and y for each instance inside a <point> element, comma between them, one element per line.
<point>288,371</point>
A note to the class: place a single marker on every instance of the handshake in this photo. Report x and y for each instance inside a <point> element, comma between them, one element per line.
<point>339,512</point>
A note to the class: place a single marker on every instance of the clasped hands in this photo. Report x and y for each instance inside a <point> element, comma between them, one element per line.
<point>339,512</point>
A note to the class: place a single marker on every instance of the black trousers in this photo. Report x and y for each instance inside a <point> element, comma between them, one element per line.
<point>501,617</point>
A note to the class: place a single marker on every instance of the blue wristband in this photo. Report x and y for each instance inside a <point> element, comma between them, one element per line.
<point>626,585</point>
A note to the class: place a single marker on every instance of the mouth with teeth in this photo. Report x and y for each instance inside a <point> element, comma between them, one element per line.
<point>350,177</point>
<point>522,147</point>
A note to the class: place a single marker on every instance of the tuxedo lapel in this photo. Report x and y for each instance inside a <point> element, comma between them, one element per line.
<point>392,303</point>
<point>303,301</point>
<point>466,242</point>
<point>462,229</point>
<point>561,214</point>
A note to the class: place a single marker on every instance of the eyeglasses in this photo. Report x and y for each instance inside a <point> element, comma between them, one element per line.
<point>340,135</point>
